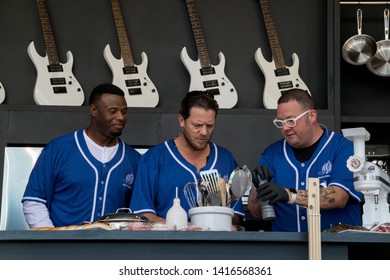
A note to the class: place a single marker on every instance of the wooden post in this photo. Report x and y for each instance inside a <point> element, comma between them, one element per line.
<point>314,219</point>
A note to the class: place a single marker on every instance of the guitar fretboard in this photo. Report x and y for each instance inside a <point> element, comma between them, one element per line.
<point>277,54</point>
<point>126,53</point>
<point>200,41</point>
<point>51,49</point>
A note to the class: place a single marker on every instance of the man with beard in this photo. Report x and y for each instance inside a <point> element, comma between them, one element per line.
<point>178,161</point>
<point>307,150</point>
<point>86,174</point>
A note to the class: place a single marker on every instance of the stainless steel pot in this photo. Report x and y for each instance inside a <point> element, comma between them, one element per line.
<point>122,217</point>
<point>380,64</point>
<point>361,48</point>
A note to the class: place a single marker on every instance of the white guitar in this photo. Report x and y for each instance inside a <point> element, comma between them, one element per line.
<point>131,78</point>
<point>204,75</point>
<point>278,77</point>
<point>55,83</point>
<point>2,93</point>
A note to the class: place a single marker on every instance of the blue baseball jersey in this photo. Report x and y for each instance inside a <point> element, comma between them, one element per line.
<point>75,186</point>
<point>162,169</point>
<point>329,165</point>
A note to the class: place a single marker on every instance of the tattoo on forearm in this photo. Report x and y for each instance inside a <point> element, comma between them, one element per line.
<point>327,195</point>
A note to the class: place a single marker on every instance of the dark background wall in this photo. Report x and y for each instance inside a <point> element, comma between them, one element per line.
<point>162,29</point>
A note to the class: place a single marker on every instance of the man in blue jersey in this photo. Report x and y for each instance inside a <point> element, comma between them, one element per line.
<point>178,161</point>
<point>81,176</point>
<point>307,151</point>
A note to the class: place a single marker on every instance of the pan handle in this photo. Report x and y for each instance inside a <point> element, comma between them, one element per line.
<point>386,19</point>
<point>359,16</point>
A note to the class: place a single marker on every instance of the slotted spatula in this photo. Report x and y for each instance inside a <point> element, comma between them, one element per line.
<point>210,178</point>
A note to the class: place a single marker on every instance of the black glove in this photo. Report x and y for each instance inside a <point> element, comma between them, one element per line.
<point>261,175</point>
<point>272,192</point>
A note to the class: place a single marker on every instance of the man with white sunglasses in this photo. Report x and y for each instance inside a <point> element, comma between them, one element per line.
<point>307,150</point>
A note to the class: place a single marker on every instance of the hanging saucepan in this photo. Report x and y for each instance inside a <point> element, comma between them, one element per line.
<point>380,64</point>
<point>361,48</point>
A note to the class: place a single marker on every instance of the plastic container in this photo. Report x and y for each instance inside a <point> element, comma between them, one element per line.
<point>162,226</point>
<point>214,217</point>
<point>176,214</point>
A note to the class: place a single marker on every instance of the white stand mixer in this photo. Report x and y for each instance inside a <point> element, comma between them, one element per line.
<point>369,179</point>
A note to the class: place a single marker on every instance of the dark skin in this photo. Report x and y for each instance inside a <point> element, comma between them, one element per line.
<point>108,119</point>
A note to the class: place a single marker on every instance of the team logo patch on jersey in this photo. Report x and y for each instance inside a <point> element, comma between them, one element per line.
<point>326,169</point>
<point>129,181</point>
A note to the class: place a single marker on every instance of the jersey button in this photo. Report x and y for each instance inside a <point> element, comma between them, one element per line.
<point>303,218</point>
<point>102,182</point>
<point>302,164</point>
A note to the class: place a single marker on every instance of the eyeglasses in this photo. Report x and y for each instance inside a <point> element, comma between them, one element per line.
<point>289,122</point>
<point>196,93</point>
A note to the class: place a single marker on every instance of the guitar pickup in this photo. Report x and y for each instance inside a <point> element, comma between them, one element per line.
<point>207,71</point>
<point>133,83</point>
<point>285,85</point>
<point>59,90</point>
<point>135,91</point>
<point>130,70</point>
<point>212,83</point>
<point>282,72</point>
<point>55,68</point>
<point>57,81</point>
<point>214,91</point>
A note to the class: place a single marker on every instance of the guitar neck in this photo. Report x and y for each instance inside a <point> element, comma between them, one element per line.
<point>200,41</point>
<point>277,54</point>
<point>126,53</point>
<point>51,49</point>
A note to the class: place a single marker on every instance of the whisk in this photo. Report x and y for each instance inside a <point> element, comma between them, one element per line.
<point>190,193</point>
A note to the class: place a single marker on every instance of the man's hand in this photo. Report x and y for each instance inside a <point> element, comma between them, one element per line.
<point>272,192</point>
<point>261,175</point>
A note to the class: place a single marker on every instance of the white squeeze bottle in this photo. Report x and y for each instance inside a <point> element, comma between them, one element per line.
<point>176,214</point>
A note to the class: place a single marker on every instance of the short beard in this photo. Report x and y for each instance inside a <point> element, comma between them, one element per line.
<point>190,143</point>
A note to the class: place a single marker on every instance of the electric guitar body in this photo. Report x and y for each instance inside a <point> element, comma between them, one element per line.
<point>131,78</point>
<point>55,83</point>
<point>2,93</point>
<point>278,80</point>
<point>278,77</point>
<point>203,75</point>
<point>211,79</point>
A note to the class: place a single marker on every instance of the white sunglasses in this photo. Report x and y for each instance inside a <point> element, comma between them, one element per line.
<point>289,122</point>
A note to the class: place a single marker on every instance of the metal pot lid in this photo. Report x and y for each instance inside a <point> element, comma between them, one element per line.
<point>361,48</point>
<point>122,216</point>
